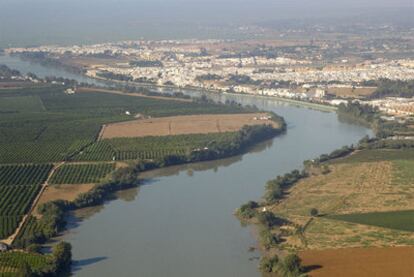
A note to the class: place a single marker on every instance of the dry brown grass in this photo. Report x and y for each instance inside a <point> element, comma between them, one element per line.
<point>360,262</point>
<point>349,188</point>
<point>178,125</point>
<point>62,192</point>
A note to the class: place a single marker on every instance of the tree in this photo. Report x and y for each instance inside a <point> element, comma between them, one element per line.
<point>269,219</point>
<point>292,265</point>
<point>125,175</point>
<point>62,254</point>
<point>269,264</point>
<point>314,212</point>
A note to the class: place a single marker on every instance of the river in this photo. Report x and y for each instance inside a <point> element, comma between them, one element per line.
<point>181,223</point>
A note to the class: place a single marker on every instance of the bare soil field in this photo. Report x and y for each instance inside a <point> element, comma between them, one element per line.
<point>178,125</point>
<point>62,192</point>
<point>360,262</point>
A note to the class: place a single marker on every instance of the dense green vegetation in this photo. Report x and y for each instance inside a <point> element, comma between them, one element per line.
<point>276,188</point>
<point>14,263</point>
<point>387,88</point>
<point>15,202</point>
<point>6,73</point>
<point>33,264</point>
<point>399,220</point>
<point>81,173</point>
<point>290,266</point>
<point>379,155</point>
<point>150,147</point>
<point>371,117</point>
<point>29,174</point>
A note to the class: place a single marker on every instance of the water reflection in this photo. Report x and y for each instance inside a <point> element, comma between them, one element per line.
<point>202,166</point>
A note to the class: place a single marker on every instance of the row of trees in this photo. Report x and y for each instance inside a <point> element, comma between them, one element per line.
<point>397,88</point>
<point>275,188</point>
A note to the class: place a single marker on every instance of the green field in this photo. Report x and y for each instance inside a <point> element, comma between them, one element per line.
<point>15,202</point>
<point>150,147</point>
<point>11,262</point>
<point>15,175</point>
<point>21,104</point>
<point>81,173</point>
<point>40,125</point>
<point>378,155</point>
<point>398,220</point>
<point>19,185</point>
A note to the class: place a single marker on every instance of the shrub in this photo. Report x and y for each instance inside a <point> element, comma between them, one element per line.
<point>314,212</point>
<point>269,265</point>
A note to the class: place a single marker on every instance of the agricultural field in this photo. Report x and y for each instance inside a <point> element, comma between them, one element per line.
<point>19,185</point>
<point>150,147</point>
<point>179,125</point>
<point>61,192</point>
<point>43,124</point>
<point>360,262</point>
<point>364,201</point>
<point>15,202</point>
<point>11,262</point>
<point>379,155</point>
<point>81,173</point>
<point>31,227</point>
<point>398,220</point>
<point>30,174</point>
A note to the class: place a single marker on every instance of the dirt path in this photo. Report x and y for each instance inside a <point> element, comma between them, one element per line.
<point>86,90</point>
<point>9,241</point>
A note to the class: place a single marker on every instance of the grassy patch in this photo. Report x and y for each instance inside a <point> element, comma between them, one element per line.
<point>21,104</point>
<point>81,173</point>
<point>378,155</point>
<point>398,220</point>
<point>403,172</point>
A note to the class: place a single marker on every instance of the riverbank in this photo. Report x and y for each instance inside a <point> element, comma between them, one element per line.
<point>194,204</point>
<point>316,208</point>
<point>204,90</point>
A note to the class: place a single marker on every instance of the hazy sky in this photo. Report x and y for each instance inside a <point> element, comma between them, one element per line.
<point>35,21</point>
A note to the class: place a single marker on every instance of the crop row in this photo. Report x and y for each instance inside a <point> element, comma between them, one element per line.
<point>150,147</point>
<point>8,225</point>
<point>31,228</point>
<point>11,262</point>
<point>39,152</point>
<point>81,173</point>
<point>16,200</point>
<point>24,174</point>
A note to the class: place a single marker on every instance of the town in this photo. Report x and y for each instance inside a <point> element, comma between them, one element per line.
<point>288,69</point>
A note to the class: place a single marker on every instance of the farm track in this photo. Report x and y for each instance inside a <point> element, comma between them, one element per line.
<point>9,241</point>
